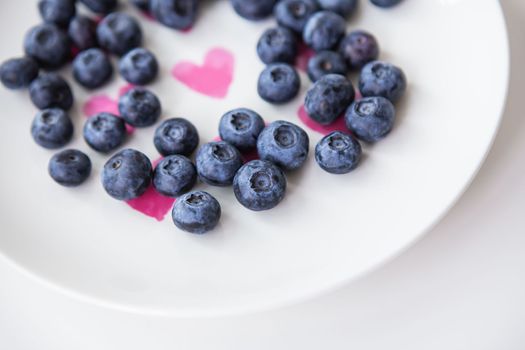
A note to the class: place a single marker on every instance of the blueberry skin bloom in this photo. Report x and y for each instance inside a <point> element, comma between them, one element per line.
<point>17,73</point>
<point>118,33</point>
<point>278,83</point>
<point>52,128</point>
<point>343,8</point>
<point>176,14</point>
<point>196,212</point>
<point>338,153</point>
<point>47,45</point>
<point>371,118</point>
<point>92,68</point>
<point>241,127</point>
<point>104,132</point>
<point>139,107</point>
<point>50,90</point>
<point>217,163</point>
<point>58,12</point>
<point>385,3</point>
<point>328,98</point>
<point>283,143</point>
<point>174,175</point>
<point>324,30</point>
<point>326,62</point>
<point>139,66</point>
<point>358,48</point>
<point>82,32</point>
<point>277,45</point>
<point>70,167</point>
<point>253,9</point>
<point>100,6</point>
<point>176,136</point>
<point>382,79</point>
<point>293,14</point>
<point>127,174</point>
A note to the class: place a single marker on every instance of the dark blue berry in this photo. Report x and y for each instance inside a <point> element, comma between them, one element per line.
<point>241,127</point>
<point>127,174</point>
<point>277,45</point>
<point>278,83</point>
<point>293,14</point>
<point>259,185</point>
<point>58,12</point>
<point>177,14</point>
<point>174,175</point>
<point>385,3</point>
<point>382,79</point>
<point>284,144</point>
<point>324,30</point>
<point>47,45</point>
<point>253,9</point>
<point>326,62</point>
<point>104,132</point>
<point>92,68</point>
<point>82,32</point>
<point>100,6</point>
<point>176,136</point>
<point>328,98</point>
<point>344,8</point>
<point>371,118</point>
<point>338,153</point>
<point>17,73</point>
<point>139,66</point>
<point>52,128</point>
<point>119,33</point>
<point>70,167</point>
<point>217,163</point>
<point>50,90</point>
<point>196,212</point>
<point>139,107</point>
<point>358,48</point>
<point>142,5</point>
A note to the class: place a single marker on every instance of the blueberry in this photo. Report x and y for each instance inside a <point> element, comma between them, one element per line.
<point>52,128</point>
<point>174,175</point>
<point>259,185</point>
<point>253,9</point>
<point>371,118</point>
<point>385,3</point>
<point>284,144</point>
<point>100,6</point>
<point>50,90</point>
<point>343,8</point>
<point>139,66</point>
<point>196,212</point>
<point>92,68</point>
<point>358,48</point>
<point>241,127</point>
<point>82,32</point>
<point>119,33</point>
<point>278,83</point>
<point>58,12</point>
<point>328,98</point>
<point>17,73</point>
<point>47,45</point>
<point>176,136</point>
<point>139,107</point>
<point>127,174</point>
<point>277,45</point>
<point>142,5</point>
<point>338,153</point>
<point>324,30</point>
<point>177,14</point>
<point>70,167</point>
<point>293,14</point>
<point>326,62</point>
<point>382,79</point>
<point>104,132</point>
<point>217,163</point>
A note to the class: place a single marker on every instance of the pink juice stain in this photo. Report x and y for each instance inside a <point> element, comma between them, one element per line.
<point>303,56</point>
<point>246,155</point>
<point>213,78</point>
<point>337,125</point>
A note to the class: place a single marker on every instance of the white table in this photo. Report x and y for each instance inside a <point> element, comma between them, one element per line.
<point>462,287</point>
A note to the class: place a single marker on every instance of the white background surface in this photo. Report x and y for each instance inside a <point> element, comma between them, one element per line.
<point>461,287</point>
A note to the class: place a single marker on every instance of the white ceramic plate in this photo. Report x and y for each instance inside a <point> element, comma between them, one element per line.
<point>329,229</point>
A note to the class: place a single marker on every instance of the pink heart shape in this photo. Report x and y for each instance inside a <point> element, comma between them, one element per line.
<point>213,78</point>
